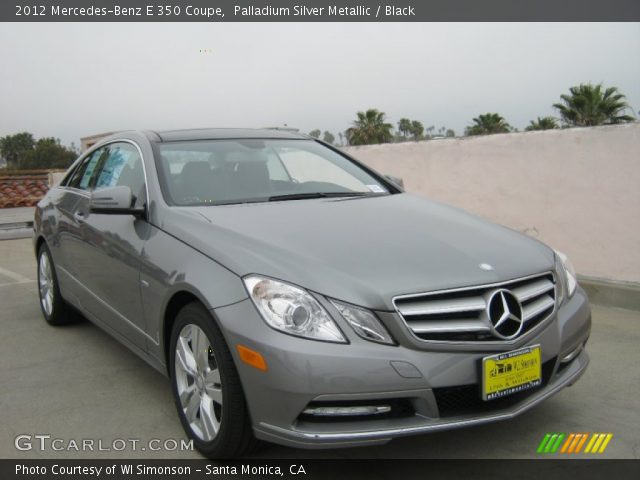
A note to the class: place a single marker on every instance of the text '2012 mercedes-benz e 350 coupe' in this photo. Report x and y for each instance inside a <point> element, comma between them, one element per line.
<point>294,295</point>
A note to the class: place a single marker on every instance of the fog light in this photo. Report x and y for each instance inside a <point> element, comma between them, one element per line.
<point>347,411</point>
<point>570,356</point>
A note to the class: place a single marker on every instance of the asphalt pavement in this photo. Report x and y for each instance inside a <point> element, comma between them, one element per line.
<point>76,383</point>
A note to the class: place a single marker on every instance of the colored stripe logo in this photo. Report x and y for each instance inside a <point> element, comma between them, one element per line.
<point>574,443</point>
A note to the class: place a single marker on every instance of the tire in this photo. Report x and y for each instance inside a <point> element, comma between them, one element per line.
<point>54,309</point>
<point>213,410</point>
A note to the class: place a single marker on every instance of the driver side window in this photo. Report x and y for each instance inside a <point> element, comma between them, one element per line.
<point>121,165</point>
<point>81,178</point>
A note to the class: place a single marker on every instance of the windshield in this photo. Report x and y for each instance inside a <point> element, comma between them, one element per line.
<point>218,172</point>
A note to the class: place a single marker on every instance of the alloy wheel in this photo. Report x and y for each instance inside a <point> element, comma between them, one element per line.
<point>46,283</point>
<point>198,382</point>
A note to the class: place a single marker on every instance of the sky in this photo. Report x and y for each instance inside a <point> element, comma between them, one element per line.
<point>71,80</point>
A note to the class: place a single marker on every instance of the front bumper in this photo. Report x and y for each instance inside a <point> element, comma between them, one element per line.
<point>302,371</point>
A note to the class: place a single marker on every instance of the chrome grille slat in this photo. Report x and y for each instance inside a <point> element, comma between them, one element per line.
<point>532,290</point>
<point>425,326</point>
<point>460,315</point>
<point>537,307</point>
<point>436,307</point>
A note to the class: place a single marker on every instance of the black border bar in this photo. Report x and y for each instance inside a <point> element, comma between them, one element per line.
<point>297,469</point>
<point>320,11</point>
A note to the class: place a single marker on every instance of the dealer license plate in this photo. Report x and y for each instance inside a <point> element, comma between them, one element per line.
<point>511,372</point>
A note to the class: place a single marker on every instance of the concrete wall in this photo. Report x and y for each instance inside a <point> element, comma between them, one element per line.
<point>578,190</point>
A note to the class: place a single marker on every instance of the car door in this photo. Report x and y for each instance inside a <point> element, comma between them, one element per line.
<point>70,197</point>
<point>106,254</point>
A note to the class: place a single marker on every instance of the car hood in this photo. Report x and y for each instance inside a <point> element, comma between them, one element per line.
<point>359,250</point>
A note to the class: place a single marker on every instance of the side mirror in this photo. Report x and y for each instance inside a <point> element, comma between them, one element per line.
<point>114,201</point>
<point>397,180</point>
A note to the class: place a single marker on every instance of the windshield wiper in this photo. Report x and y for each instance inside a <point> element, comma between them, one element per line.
<point>304,196</point>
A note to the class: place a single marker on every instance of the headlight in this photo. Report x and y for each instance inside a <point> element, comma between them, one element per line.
<point>364,323</point>
<point>567,276</point>
<point>292,310</point>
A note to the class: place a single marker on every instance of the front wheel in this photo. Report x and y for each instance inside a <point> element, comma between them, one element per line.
<point>206,386</point>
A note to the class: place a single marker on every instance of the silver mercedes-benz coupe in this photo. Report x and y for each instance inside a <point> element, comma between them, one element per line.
<point>294,295</point>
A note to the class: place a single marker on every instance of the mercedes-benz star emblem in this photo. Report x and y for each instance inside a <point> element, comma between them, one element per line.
<point>505,314</point>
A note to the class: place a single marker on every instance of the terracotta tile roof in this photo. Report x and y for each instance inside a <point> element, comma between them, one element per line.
<point>22,190</point>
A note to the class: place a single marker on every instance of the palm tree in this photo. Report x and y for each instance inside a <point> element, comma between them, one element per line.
<point>404,126</point>
<point>417,130</point>
<point>544,123</point>
<point>370,127</point>
<point>487,124</point>
<point>589,105</point>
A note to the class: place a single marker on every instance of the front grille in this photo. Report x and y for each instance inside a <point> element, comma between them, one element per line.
<point>467,399</point>
<point>461,315</point>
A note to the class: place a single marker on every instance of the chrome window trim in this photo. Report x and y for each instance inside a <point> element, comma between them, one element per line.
<point>496,342</point>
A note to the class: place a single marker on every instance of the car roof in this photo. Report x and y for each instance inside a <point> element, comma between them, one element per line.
<point>223,133</point>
